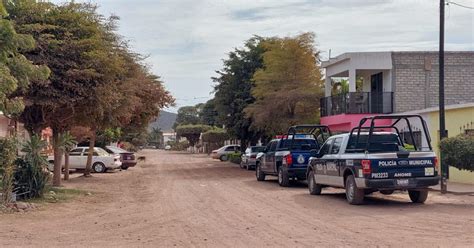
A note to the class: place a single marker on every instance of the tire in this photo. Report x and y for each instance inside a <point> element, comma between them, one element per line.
<point>259,173</point>
<point>124,167</point>
<point>283,179</point>
<point>242,165</point>
<point>354,195</point>
<point>99,167</point>
<point>223,158</point>
<point>418,196</point>
<point>314,188</point>
<point>386,192</point>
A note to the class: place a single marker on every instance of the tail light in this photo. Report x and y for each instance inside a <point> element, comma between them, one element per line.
<point>366,167</point>
<point>288,160</point>
<point>436,164</point>
<point>253,156</point>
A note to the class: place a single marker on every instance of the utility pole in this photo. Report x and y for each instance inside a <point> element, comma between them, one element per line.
<point>442,119</point>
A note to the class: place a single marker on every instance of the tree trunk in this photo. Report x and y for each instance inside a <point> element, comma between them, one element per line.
<point>87,172</point>
<point>57,159</point>
<point>66,165</point>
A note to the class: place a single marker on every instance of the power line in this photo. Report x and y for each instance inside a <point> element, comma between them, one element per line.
<point>460,5</point>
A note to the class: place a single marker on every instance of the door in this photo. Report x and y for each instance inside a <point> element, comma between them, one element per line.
<point>270,157</point>
<point>76,159</point>
<point>320,166</point>
<point>376,93</point>
<point>333,164</point>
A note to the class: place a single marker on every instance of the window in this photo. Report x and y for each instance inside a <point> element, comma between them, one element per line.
<point>258,149</point>
<point>229,149</point>
<point>273,146</point>
<point>325,149</point>
<point>299,144</point>
<point>378,143</point>
<point>76,152</point>
<point>336,146</point>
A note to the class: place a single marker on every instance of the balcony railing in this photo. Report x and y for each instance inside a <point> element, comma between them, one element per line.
<point>358,103</point>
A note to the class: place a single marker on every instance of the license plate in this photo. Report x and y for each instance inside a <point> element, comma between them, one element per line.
<point>402,182</point>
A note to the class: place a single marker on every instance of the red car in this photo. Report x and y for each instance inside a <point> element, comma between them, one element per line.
<point>127,158</point>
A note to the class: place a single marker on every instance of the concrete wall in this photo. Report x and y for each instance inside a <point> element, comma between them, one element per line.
<point>415,79</point>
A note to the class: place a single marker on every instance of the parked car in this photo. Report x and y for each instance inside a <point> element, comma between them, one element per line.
<point>127,158</point>
<point>249,158</point>
<point>101,160</point>
<point>223,152</point>
<point>365,161</point>
<point>287,157</point>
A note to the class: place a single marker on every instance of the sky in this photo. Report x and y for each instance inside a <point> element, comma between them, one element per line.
<point>186,40</point>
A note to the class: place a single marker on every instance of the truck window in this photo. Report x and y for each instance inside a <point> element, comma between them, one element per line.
<point>336,146</point>
<point>325,149</point>
<point>273,146</point>
<point>378,143</point>
<point>299,144</point>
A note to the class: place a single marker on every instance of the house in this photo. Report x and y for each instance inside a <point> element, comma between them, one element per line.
<point>392,82</point>
<point>402,83</point>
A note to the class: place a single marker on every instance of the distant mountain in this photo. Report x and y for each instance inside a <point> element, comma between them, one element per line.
<point>165,121</point>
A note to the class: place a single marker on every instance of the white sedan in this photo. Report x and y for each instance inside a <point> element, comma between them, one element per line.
<point>101,160</point>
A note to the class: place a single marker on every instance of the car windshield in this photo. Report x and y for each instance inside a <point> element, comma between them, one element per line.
<point>115,149</point>
<point>378,143</point>
<point>101,152</point>
<point>258,149</point>
<point>299,144</point>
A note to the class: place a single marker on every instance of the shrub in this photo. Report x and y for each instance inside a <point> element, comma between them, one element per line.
<point>129,146</point>
<point>235,157</point>
<point>179,145</point>
<point>31,174</point>
<point>458,152</point>
<point>8,151</point>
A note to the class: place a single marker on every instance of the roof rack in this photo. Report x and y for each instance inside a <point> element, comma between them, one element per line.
<point>397,119</point>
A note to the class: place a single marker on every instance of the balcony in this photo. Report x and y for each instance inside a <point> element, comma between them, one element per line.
<point>357,103</point>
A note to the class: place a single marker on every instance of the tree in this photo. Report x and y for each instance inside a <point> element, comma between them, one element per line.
<point>192,132</point>
<point>156,137</point>
<point>187,115</point>
<point>208,114</point>
<point>215,138</point>
<point>288,88</point>
<point>16,71</point>
<point>233,90</point>
<point>66,143</point>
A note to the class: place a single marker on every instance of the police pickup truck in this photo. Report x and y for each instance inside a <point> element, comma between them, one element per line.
<point>370,159</point>
<point>287,156</point>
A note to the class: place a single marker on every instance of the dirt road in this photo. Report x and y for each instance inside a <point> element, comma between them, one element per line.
<point>191,201</point>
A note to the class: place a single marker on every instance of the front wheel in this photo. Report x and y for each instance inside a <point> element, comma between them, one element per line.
<point>314,188</point>
<point>354,195</point>
<point>259,173</point>
<point>283,179</point>
<point>223,158</point>
<point>417,196</point>
<point>124,167</point>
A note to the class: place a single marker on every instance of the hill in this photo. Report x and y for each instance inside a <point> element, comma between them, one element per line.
<point>165,121</point>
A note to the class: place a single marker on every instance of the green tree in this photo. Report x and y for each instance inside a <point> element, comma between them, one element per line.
<point>156,137</point>
<point>458,152</point>
<point>192,132</point>
<point>208,114</point>
<point>66,143</point>
<point>233,90</point>
<point>288,88</point>
<point>16,71</point>
<point>215,138</point>
<point>187,115</point>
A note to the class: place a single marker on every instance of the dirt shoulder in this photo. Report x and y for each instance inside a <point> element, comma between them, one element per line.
<point>184,200</point>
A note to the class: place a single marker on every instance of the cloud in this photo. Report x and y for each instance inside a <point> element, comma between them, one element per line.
<point>186,40</point>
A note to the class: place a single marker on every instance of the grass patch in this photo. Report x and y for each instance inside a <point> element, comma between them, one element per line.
<point>54,195</point>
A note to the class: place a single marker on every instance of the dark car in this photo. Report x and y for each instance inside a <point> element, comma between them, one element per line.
<point>249,158</point>
<point>128,158</point>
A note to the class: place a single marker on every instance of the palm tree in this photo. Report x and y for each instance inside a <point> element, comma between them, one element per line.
<point>66,143</point>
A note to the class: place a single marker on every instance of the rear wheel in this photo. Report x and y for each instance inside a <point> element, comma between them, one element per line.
<point>99,167</point>
<point>314,188</point>
<point>124,167</point>
<point>386,192</point>
<point>242,165</point>
<point>354,195</point>
<point>283,179</point>
<point>417,196</point>
<point>259,173</point>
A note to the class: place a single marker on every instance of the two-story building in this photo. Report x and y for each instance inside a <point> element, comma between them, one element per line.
<point>401,83</point>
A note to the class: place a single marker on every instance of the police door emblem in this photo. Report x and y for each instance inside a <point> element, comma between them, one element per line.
<point>300,159</point>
